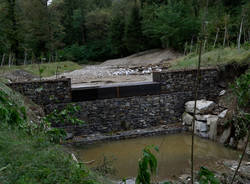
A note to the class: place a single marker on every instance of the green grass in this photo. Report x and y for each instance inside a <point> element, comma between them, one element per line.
<point>31,158</point>
<point>213,58</point>
<point>49,68</point>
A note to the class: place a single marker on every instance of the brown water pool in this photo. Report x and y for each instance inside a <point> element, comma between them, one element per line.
<point>173,157</point>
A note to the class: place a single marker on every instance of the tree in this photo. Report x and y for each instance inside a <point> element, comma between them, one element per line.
<point>172,24</point>
<point>133,31</point>
<point>116,35</point>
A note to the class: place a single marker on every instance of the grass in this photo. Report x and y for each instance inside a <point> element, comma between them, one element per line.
<point>31,158</point>
<point>50,69</point>
<point>213,58</point>
<point>28,160</point>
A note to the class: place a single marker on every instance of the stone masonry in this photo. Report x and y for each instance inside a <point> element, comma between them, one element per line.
<point>45,92</point>
<point>116,114</point>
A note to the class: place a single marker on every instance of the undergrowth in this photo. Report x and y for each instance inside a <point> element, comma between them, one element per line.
<point>27,154</point>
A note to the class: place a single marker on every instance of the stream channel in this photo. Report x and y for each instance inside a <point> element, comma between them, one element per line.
<point>173,157</point>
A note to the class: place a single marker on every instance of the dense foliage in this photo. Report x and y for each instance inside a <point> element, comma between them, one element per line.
<point>80,30</point>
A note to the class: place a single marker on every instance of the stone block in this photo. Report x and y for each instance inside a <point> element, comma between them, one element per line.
<point>202,106</point>
<point>187,119</point>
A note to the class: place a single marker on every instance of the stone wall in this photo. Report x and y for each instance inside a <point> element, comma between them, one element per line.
<point>111,115</point>
<point>183,80</point>
<point>45,92</point>
<point>129,112</point>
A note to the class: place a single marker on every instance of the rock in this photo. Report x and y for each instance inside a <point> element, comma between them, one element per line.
<point>241,143</point>
<point>202,106</point>
<point>244,168</point>
<point>212,121</point>
<point>185,178</point>
<point>200,126</point>
<point>69,136</point>
<point>203,134</point>
<point>187,119</point>
<point>204,117</point>
<point>222,93</point>
<point>232,142</point>
<point>222,84</point>
<point>248,150</point>
<point>128,181</point>
<point>223,114</point>
<point>225,135</point>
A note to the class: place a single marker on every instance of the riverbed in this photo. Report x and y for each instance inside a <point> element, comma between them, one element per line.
<point>173,156</point>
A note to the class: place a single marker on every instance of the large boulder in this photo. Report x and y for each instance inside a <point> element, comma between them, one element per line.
<point>225,135</point>
<point>212,122</point>
<point>199,117</point>
<point>187,119</point>
<point>200,126</point>
<point>202,106</point>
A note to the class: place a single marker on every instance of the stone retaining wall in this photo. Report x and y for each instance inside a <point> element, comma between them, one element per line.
<point>45,92</point>
<point>116,114</point>
<point>183,80</point>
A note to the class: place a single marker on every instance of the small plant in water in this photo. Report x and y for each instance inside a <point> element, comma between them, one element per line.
<point>106,166</point>
<point>207,177</point>
<point>147,166</point>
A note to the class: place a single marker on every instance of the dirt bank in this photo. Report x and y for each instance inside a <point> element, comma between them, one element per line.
<point>134,68</point>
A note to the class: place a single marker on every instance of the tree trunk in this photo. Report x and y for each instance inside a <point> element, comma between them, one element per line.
<point>13,34</point>
<point>216,37</point>
<point>10,57</point>
<point>3,58</point>
<point>56,58</point>
<point>205,44</point>
<point>185,49</point>
<point>191,46</point>
<point>241,25</point>
<point>25,57</point>
<point>225,35</point>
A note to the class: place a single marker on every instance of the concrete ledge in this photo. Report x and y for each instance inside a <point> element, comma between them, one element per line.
<point>153,131</point>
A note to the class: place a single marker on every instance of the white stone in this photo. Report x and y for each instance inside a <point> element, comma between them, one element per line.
<point>202,106</point>
<point>203,134</point>
<point>223,114</point>
<point>225,135</point>
<point>204,117</point>
<point>212,122</point>
<point>200,126</point>
<point>187,119</point>
<point>222,93</point>
<point>212,119</point>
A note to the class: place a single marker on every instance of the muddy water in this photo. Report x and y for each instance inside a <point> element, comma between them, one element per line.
<point>173,157</point>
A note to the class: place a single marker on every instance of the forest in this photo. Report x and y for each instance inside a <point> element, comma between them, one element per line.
<point>95,30</point>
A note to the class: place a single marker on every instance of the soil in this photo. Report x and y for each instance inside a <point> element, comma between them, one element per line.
<point>134,68</point>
